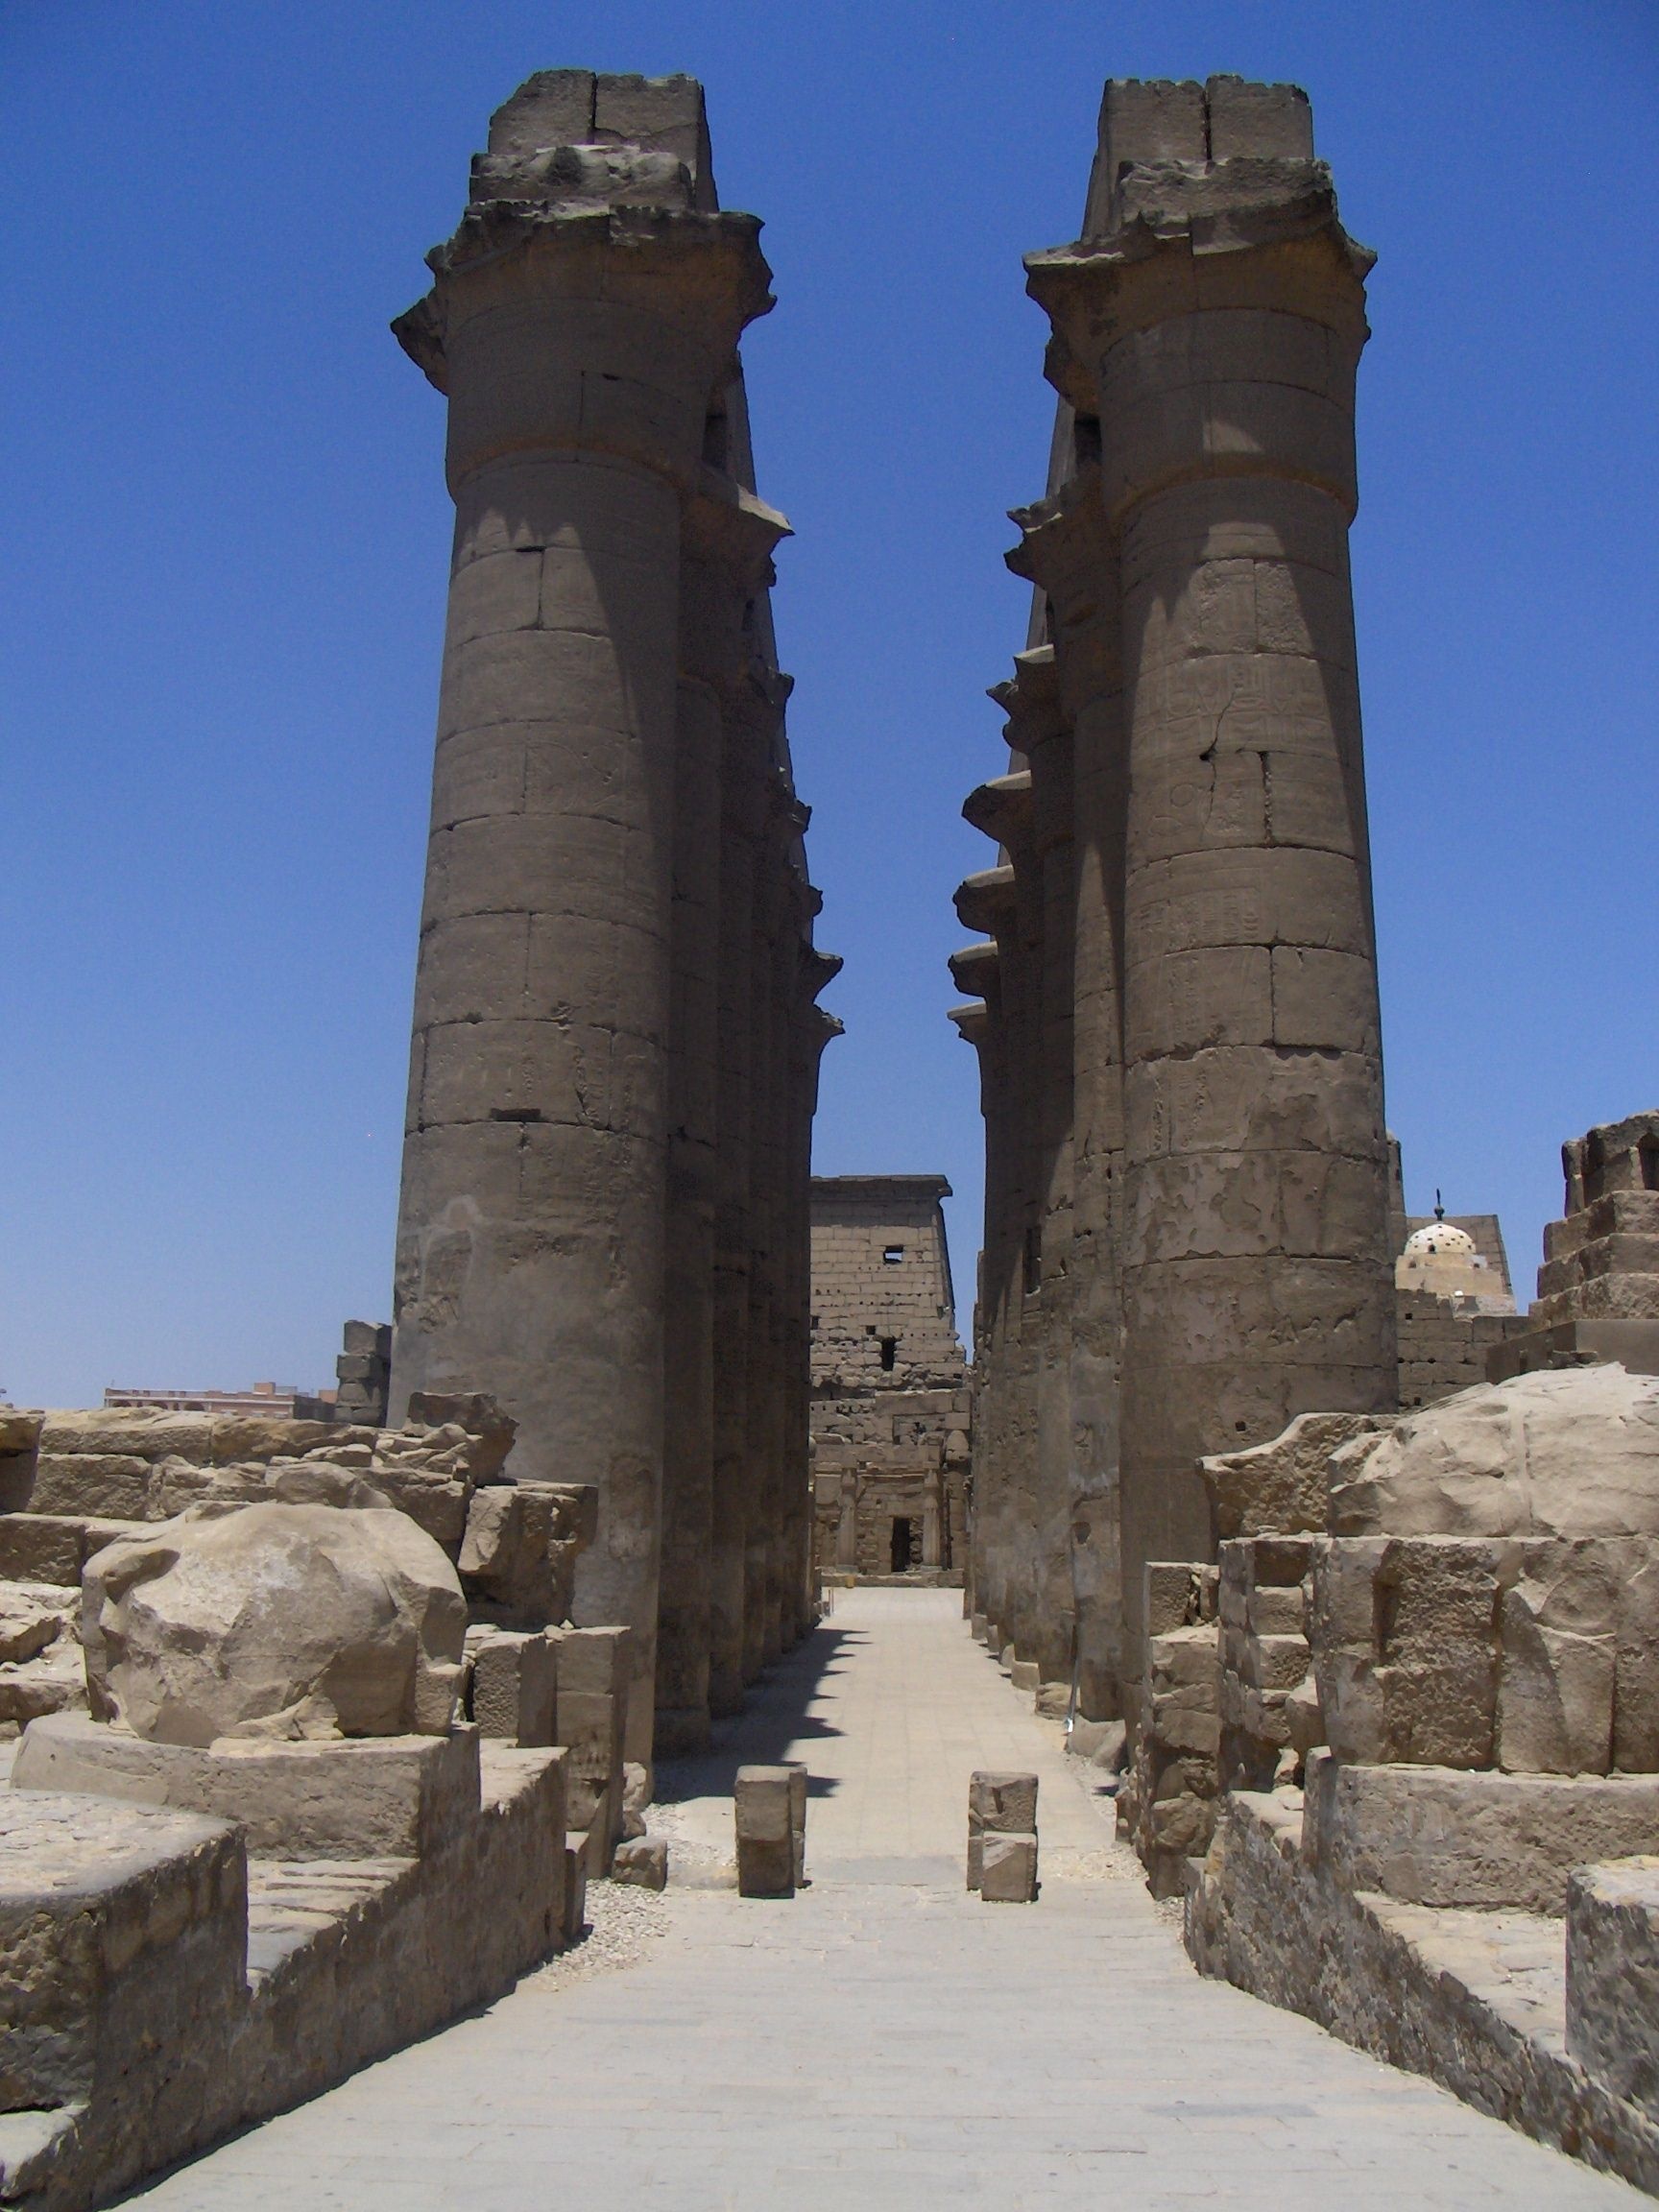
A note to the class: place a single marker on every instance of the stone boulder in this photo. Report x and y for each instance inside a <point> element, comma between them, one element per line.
<point>274,1619</point>
<point>1573,1452</point>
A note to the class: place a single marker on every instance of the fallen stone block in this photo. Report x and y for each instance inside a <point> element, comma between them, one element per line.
<point>365,1798</point>
<point>278,1619</point>
<point>642,1861</point>
<point>765,1827</point>
<point>1008,1874</point>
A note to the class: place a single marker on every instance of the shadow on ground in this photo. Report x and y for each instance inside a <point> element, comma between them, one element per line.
<point>773,1717</point>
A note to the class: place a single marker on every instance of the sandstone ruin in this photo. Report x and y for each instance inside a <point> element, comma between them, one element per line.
<point>616,1048</point>
<point>890,1411</point>
<point>1344,1575</point>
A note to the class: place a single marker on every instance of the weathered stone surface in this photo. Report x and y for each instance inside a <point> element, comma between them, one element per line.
<point>1435,1836</point>
<point>1472,1999</point>
<point>397,1796</point>
<point>1613,1977</point>
<point>122,1931</point>
<point>1570,1453</point>
<point>766,1853</point>
<point>1405,1647</point>
<point>1283,1484</point>
<point>518,1558</point>
<point>297,1620</point>
<point>1009,1869</point>
<point>510,1685</point>
<point>642,1861</point>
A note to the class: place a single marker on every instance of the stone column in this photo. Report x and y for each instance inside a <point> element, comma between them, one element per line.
<point>582,319</point>
<point>743,800</point>
<point>1038,731</point>
<point>727,544</point>
<point>990,901</point>
<point>977,971</point>
<point>1066,551</point>
<point>1212,328</point>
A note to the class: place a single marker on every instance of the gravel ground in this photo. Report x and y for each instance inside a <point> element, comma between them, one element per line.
<point>623,1922</point>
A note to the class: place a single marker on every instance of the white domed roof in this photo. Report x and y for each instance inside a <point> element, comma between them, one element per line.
<point>1440,1236</point>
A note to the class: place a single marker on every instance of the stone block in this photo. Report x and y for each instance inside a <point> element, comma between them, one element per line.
<point>368,1797</point>
<point>46,1548</point>
<point>1613,1977</point>
<point>1008,1874</point>
<point>112,1485</point>
<point>641,1860</point>
<point>1025,1675</point>
<point>123,1945</point>
<point>1441,1836</point>
<point>997,1805</point>
<point>576,1887</point>
<point>1283,1484</point>
<point>766,1831</point>
<point>510,1685</point>
<point>1559,1630</point>
<point>1405,1647</point>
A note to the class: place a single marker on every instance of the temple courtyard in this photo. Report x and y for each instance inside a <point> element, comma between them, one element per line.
<point>884,2038</point>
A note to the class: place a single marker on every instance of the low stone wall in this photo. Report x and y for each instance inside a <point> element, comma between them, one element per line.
<point>158,1989</point>
<point>1406,1983</point>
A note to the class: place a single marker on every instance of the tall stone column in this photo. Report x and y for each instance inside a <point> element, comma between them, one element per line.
<point>991,900</point>
<point>1212,326</point>
<point>728,540</point>
<point>743,802</point>
<point>582,319</point>
<point>1068,553</point>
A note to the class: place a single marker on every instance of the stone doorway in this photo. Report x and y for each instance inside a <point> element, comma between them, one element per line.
<point>907,1548</point>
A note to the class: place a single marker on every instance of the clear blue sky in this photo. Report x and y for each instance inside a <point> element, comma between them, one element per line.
<point>227,543</point>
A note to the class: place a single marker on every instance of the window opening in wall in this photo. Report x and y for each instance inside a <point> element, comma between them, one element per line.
<point>889,1353</point>
<point>814,1320</point>
<point>899,1550</point>
<point>892,1255</point>
<point>1033,1268</point>
<point>1647,1155</point>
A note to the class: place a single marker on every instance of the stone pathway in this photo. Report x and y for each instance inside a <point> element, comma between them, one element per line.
<point>885,2040</point>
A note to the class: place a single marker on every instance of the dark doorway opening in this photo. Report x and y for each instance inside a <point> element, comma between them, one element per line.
<point>901,1552</point>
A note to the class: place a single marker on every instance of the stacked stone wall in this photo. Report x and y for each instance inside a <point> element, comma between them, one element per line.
<point>890,1406</point>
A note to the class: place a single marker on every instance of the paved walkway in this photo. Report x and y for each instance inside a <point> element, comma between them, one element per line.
<point>884,2040</point>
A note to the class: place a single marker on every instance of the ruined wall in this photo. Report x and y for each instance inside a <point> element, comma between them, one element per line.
<point>614,1054</point>
<point>1187,1236</point>
<point>890,1419</point>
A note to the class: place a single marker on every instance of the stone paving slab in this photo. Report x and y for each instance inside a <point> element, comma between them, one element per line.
<point>890,2043</point>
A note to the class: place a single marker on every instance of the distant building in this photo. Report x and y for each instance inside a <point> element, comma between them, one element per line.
<point>889,1413</point>
<point>276,1401</point>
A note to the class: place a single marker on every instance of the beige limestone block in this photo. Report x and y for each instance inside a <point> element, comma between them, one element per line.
<point>1283,1484</point>
<point>1560,1624</point>
<point>1405,1643</point>
<point>297,1619</point>
<point>1429,1835</point>
<point>1008,1874</point>
<point>1571,1453</point>
<point>386,1796</point>
<point>1613,1976</point>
